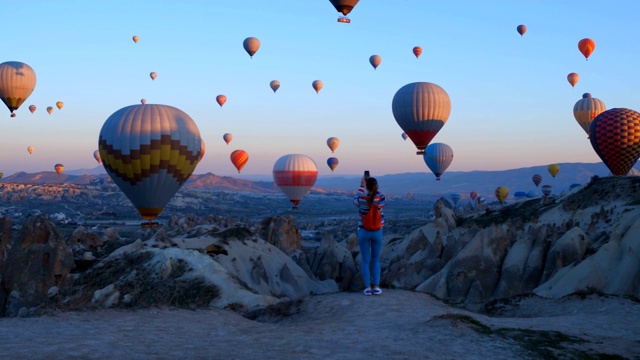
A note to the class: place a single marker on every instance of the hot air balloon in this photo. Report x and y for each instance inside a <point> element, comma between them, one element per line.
<point>59,168</point>
<point>239,159</point>
<point>438,157</point>
<point>1,174</point>
<point>143,101</point>
<point>221,99</point>
<point>333,163</point>
<point>573,79</point>
<point>344,7</point>
<point>417,51</point>
<point>455,197</point>
<point>501,193</point>
<point>32,108</point>
<point>17,81</point>
<point>153,75</point>
<point>404,136</point>
<point>96,155</point>
<point>30,149</point>
<point>59,104</point>
<point>149,151</point>
<point>537,179</point>
<point>421,109</point>
<point>586,109</point>
<point>632,172</point>
<point>227,138</point>
<point>546,190</point>
<point>553,169</point>
<point>49,109</point>
<point>519,195</point>
<point>251,45</point>
<point>531,194</point>
<point>275,85</point>
<point>521,29</point>
<point>586,47</point>
<point>375,61</point>
<point>473,195</point>
<point>317,85</point>
<point>136,38</point>
<point>202,150</point>
<point>295,174</point>
<point>333,143</point>
<point>615,136</point>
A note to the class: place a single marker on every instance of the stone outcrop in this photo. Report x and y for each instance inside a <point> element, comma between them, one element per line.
<point>331,260</point>
<point>281,232</point>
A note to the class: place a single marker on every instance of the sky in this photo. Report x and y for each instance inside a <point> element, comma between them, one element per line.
<point>511,102</point>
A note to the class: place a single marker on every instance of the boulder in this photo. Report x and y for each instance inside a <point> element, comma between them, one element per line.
<point>281,232</point>
<point>331,260</point>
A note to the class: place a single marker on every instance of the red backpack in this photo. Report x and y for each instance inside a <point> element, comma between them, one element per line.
<point>373,220</point>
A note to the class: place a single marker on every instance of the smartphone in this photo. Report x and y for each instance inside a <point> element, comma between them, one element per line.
<point>366,174</point>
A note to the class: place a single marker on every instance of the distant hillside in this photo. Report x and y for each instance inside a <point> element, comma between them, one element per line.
<point>211,181</point>
<point>50,177</point>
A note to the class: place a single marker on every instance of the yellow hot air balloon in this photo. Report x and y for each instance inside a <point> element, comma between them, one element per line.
<point>501,193</point>
<point>153,75</point>
<point>49,109</point>
<point>149,151</point>
<point>59,168</point>
<point>317,85</point>
<point>586,109</point>
<point>553,169</point>
<point>59,104</point>
<point>30,149</point>
<point>17,81</point>
<point>1,174</point>
<point>375,61</point>
<point>251,45</point>
<point>96,155</point>
<point>333,143</point>
<point>136,38</point>
<point>275,85</point>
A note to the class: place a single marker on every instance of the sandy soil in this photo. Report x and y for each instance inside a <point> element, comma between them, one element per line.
<point>398,324</point>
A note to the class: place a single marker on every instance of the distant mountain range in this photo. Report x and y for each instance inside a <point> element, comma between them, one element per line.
<point>483,182</point>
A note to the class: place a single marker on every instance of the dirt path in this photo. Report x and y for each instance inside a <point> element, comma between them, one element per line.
<point>399,324</point>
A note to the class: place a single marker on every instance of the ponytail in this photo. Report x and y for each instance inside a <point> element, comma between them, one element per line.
<point>372,187</point>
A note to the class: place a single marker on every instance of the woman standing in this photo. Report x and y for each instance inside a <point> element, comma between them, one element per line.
<point>370,241</point>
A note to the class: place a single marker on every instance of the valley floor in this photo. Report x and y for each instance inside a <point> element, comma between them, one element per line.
<point>398,324</point>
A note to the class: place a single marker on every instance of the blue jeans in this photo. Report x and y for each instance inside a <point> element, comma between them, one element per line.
<point>370,243</point>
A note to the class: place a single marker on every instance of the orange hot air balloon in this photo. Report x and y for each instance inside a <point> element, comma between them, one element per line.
<point>239,159</point>
<point>59,104</point>
<point>143,101</point>
<point>573,79</point>
<point>49,109</point>
<point>136,38</point>
<point>153,75</point>
<point>522,29</point>
<point>251,45</point>
<point>417,51</point>
<point>317,85</point>
<point>333,143</point>
<point>586,47</point>
<point>59,168</point>
<point>375,61</point>
<point>221,99</point>
<point>227,138</point>
<point>32,108</point>
<point>30,149</point>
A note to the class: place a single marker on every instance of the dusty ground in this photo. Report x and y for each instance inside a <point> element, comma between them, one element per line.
<point>398,324</point>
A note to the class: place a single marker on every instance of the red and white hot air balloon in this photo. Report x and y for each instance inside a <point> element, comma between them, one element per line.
<point>295,174</point>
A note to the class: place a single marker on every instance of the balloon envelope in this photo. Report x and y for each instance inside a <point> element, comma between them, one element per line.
<point>473,195</point>
<point>586,47</point>
<point>317,85</point>
<point>136,38</point>
<point>332,162</point>
<point>417,51</point>
<point>421,109</point>
<point>221,99</point>
<point>344,6</point>
<point>49,109</point>
<point>153,75</point>
<point>438,157</point>
<point>59,104</point>
<point>521,29</point>
<point>586,109</point>
<point>17,81</point>
<point>59,168</point>
<point>143,101</point>
<point>375,61</point>
<point>615,137</point>
<point>30,149</point>
<point>239,159</point>
<point>275,85</point>
<point>546,190</point>
<point>501,193</point>
<point>227,138</point>
<point>295,174</point>
<point>553,169</point>
<point>251,45</point>
<point>149,151</point>
<point>520,195</point>
<point>96,155</point>
<point>333,143</point>
<point>537,179</point>
<point>32,108</point>
<point>573,79</point>
<point>404,136</point>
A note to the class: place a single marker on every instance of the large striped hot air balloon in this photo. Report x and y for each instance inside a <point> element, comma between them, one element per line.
<point>586,109</point>
<point>586,47</point>
<point>251,45</point>
<point>501,193</point>
<point>537,179</point>
<point>421,109</point>
<point>17,81</point>
<point>295,174</point>
<point>438,157</point>
<point>239,159</point>
<point>615,136</point>
<point>333,143</point>
<point>149,151</point>
<point>332,162</point>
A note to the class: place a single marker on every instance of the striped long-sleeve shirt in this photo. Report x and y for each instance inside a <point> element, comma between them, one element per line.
<point>361,201</point>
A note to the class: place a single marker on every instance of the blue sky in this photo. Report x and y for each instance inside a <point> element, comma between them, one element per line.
<point>511,102</point>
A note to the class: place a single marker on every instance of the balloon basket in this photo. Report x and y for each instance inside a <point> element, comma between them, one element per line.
<point>420,152</point>
<point>149,225</point>
<point>344,19</point>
